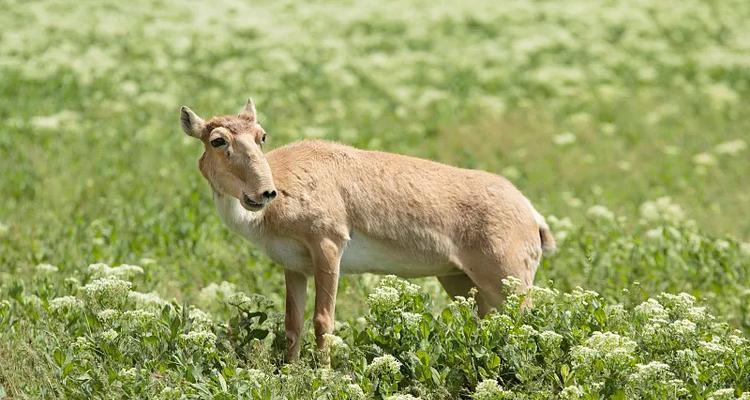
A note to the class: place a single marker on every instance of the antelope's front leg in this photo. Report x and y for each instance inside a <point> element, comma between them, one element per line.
<point>326,259</point>
<point>294,320</point>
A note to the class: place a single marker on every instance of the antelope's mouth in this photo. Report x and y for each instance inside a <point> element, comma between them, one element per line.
<point>250,204</point>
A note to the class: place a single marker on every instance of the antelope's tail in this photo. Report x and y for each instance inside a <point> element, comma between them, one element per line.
<point>545,234</point>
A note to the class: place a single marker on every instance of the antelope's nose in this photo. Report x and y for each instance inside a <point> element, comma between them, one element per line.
<point>269,194</point>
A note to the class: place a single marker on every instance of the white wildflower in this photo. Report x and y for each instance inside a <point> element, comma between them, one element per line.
<point>571,200</point>
<point>253,376</point>
<point>385,365</point>
<point>581,120</point>
<point>550,340</point>
<point>489,389</point>
<point>704,159</point>
<point>698,314</point>
<point>582,356</point>
<point>53,122</point>
<point>109,335</point>
<point>401,396</point>
<point>137,319</point>
<point>543,295</point>
<point>355,392</point>
<point>528,331</point>
<point>170,393</point>
<point>107,292</point>
<point>407,288</point>
<point>660,209</point>
<point>32,300</point>
<point>384,298</point>
<point>653,371</point>
<point>722,394</point>
<point>561,227</point>
<point>722,244</point>
<point>713,348</point>
<point>128,375</point>
<point>127,270</point>
<point>46,268</point>
<point>608,129</point>
<point>611,344</point>
<point>680,303</point>
<point>65,303</point>
<point>101,270</point>
<point>200,320</point>
<point>651,309</point>
<point>731,147</point>
<point>721,95</point>
<point>736,340</point>
<point>655,234</point>
<point>683,327</point>
<point>240,298</point>
<point>98,269</point>
<point>564,139</point>
<point>108,315</point>
<point>216,292</point>
<point>580,296</point>
<point>334,342</point>
<point>146,300</point>
<point>601,213</point>
<point>411,320</point>
<point>462,302</point>
<point>81,345</point>
<point>571,393</point>
<point>201,339</point>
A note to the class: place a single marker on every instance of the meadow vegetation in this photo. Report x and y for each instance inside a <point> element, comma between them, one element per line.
<point>626,123</point>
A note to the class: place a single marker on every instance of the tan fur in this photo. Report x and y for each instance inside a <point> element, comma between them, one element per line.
<point>339,207</point>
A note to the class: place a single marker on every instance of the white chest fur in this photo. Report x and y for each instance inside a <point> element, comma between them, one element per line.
<point>239,220</point>
<point>286,251</point>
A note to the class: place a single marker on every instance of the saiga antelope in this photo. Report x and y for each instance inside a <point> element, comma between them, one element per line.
<point>321,209</point>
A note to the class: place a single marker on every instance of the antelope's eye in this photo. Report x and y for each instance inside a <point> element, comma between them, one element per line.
<point>263,138</point>
<point>218,142</point>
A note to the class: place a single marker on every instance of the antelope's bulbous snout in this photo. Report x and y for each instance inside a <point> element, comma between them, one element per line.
<point>269,195</point>
<point>255,203</point>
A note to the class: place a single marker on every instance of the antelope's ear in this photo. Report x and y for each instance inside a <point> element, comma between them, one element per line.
<point>191,123</point>
<point>249,111</point>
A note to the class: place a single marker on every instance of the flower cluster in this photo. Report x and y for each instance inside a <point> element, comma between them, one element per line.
<point>124,271</point>
<point>65,304</point>
<point>109,292</point>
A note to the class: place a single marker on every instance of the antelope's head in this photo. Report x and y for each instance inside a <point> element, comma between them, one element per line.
<point>233,160</point>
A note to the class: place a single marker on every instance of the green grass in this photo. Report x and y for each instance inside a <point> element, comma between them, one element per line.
<point>94,167</point>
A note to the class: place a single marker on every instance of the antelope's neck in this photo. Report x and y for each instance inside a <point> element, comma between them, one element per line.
<point>238,219</point>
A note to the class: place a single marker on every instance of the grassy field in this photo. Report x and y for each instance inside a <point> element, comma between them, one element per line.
<point>626,123</point>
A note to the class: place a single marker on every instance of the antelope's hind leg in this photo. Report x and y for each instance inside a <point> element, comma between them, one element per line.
<point>488,271</point>
<point>460,285</point>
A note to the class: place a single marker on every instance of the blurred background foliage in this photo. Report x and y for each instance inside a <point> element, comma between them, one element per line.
<point>578,103</point>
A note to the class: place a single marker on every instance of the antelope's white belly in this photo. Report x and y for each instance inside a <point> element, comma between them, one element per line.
<point>362,254</point>
<point>367,254</point>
